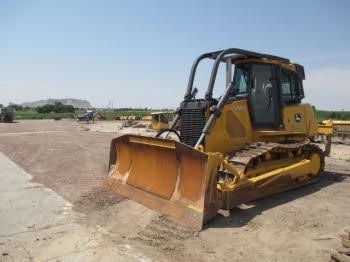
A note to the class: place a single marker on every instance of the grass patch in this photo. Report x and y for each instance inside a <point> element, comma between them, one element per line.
<point>335,115</point>
<point>32,114</point>
<point>117,114</point>
<point>103,115</point>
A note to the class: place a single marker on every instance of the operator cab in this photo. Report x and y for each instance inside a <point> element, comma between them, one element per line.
<point>268,83</point>
<point>268,87</point>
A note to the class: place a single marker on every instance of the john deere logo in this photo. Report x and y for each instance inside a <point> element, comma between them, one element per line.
<point>297,117</point>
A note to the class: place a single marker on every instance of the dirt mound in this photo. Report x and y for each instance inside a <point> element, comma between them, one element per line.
<point>96,199</point>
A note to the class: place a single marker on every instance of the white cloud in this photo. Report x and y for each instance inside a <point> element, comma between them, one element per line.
<point>328,89</point>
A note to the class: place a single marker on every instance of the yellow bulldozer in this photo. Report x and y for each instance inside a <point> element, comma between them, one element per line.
<point>250,142</point>
<point>160,120</point>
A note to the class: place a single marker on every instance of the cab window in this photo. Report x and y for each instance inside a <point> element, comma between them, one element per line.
<point>289,88</point>
<point>240,80</point>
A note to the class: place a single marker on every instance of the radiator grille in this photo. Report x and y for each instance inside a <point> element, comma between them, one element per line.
<point>192,123</point>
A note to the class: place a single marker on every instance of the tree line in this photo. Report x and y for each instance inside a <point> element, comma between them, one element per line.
<point>335,115</point>
<point>58,107</point>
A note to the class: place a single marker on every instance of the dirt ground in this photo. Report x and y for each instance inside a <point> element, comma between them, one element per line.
<point>71,158</point>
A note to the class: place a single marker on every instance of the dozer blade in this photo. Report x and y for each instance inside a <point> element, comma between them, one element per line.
<point>166,176</point>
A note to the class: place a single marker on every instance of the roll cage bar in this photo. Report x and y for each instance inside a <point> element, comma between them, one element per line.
<point>220,56</point>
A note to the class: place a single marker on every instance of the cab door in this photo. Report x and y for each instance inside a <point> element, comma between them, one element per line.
<point>263,97</point>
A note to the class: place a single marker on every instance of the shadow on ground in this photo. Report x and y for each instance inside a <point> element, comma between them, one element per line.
<point>240,216</point>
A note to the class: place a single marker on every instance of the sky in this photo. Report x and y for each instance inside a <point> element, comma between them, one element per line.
<point>131,53</point>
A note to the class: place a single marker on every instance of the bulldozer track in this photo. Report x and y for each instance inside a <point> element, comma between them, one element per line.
<point>252,154</point>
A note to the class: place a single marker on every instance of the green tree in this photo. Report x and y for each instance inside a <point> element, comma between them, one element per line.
<point>45,108</point>
<point>16,107</point>
<point>58,107</point>
<point>69,109</point>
